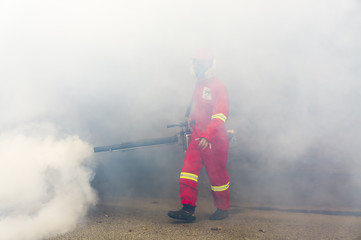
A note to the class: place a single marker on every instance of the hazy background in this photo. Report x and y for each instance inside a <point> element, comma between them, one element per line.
<point>78,74</point>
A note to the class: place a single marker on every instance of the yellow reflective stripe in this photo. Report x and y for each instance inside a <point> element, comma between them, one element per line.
<point>189,176</point>
<point>220,116</point>
<point>220,188</point>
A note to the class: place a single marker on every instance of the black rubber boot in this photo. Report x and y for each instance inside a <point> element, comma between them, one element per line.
<point>186,213</point>
<point>219,214</point>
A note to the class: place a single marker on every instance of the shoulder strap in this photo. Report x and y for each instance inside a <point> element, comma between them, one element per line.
<point>189,108</point>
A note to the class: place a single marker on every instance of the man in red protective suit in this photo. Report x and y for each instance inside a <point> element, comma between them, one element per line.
<point>208,146</point>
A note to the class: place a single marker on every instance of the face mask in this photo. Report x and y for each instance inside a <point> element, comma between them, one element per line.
<point>199,71</point>
<point>200,68</point>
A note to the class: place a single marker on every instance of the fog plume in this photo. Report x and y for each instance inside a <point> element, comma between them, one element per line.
<point>44,182</point>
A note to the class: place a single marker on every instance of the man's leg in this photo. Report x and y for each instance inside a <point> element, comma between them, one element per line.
<point>189,175</point>
<point>216,166</point>
<point>188,183</point>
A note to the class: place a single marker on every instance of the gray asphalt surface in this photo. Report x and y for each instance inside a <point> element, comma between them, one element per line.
<point>126,218</point>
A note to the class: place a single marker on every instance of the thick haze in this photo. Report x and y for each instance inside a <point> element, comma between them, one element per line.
<point>82,73</point>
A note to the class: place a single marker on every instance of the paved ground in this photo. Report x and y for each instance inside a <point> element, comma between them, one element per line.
<point>126,218</point>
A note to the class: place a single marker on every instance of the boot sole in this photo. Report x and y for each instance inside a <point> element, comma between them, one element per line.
<point>184,218</point>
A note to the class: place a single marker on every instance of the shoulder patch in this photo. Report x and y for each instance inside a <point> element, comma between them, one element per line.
<point>207,93</point>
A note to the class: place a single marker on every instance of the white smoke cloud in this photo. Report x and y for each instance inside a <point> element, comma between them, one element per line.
<point>45,183</point>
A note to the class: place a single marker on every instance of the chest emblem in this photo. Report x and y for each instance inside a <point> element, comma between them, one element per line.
<point>207,93</point>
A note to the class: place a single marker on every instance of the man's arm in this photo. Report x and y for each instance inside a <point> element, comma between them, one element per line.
<point>219,115</point>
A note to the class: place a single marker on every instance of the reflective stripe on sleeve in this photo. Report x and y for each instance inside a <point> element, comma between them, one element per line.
<point>189,176</point>
<point>220,188</point>
<point>220,116</point>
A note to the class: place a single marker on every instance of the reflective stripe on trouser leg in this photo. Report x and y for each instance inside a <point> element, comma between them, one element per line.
<point>220,188</point>
<point>189,176</point>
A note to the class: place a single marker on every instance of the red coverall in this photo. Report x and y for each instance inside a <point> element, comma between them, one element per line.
<point>210,112</point>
